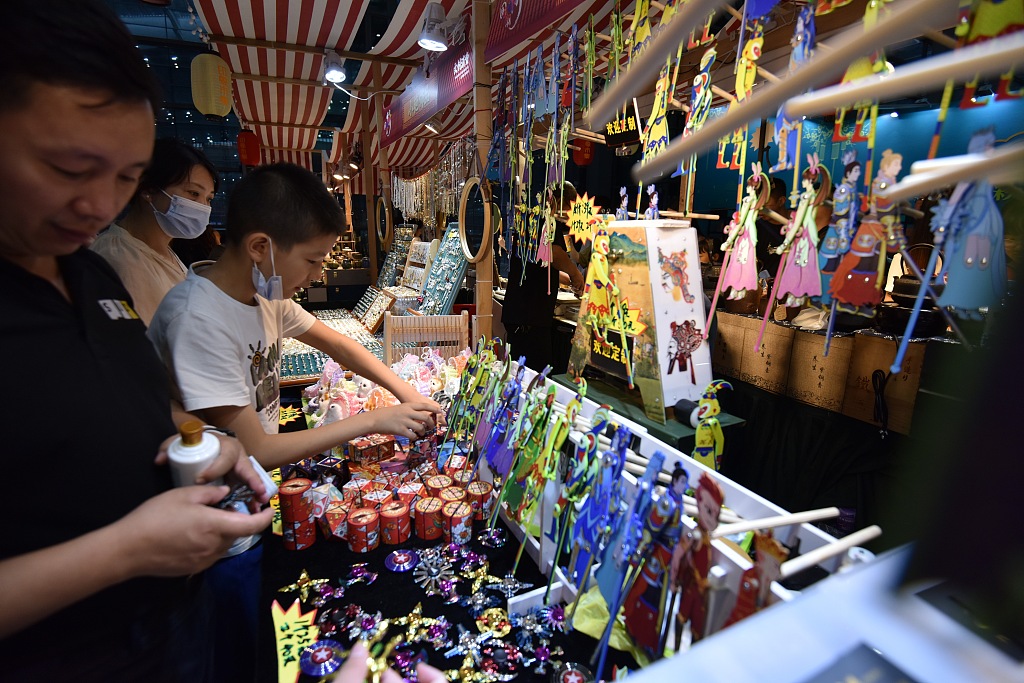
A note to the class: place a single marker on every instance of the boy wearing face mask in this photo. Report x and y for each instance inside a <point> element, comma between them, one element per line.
<point>172,201</point>
<point>219,332</point>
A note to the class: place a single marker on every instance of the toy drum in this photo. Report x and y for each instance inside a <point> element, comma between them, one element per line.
<point>428,518</point>
<point>462,477</point>
<point>363,530</point>
<point>396,526</point>
<point>437,483</point>
<point>458,522</point>
<point>452,493</point>
<point>480,497</point>
<point>298,529</point>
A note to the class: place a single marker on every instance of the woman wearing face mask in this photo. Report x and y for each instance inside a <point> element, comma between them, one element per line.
<point>172,201</point>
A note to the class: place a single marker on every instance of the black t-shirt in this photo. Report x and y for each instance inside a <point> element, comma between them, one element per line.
<point>769,238</point>
<point>532,301</point>
<point>86,406</point>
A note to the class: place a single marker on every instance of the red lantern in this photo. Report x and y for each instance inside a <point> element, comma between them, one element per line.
<point>584,152</point>
<point>248,148</point>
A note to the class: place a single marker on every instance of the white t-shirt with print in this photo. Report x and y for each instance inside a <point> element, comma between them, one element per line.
<point>221,352</point>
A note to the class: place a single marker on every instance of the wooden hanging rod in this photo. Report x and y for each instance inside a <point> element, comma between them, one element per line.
<point>313,50</point>
<point>331,129</point>
<point>300,81</point>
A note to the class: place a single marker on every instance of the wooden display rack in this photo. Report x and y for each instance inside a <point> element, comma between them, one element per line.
<point>741,504</point>
<point>656,268</point>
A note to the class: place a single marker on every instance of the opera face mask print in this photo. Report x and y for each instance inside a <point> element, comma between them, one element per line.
<point>184,219</point>
<point>272,289</point>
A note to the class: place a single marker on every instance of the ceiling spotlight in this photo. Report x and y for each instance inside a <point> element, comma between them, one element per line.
<point>432,36</point>
<point>895,115</point>
<point>430,126</point>
<point>353,166</point>
<point>333,73</point>
<point>345,176</point>
<point>338,176</point>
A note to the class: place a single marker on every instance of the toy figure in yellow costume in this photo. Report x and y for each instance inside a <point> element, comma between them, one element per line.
<point>603,307</point>
<point>708,439</point>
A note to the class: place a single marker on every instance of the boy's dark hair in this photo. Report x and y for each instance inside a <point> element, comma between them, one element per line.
<point>77,43</point>
<point>566,193</point>
<point>778,188</point>
<point>285,201</point>
<point>171,163</point>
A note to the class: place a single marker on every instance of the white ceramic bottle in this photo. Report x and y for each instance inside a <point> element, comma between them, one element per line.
<point>192,452</point>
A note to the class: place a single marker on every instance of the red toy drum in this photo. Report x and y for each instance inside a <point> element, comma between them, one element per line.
<point>462,477</point>
<point>452,493</point>
<point>480,495</point>
<point>428,518</point>
<point>298,529</point>
<point>437,483</point>
<point>363,530</point>
<point>458,522</point>
<point>395,525</point>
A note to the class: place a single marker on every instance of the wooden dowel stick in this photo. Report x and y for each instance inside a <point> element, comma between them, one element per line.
<point>777,521</point>
<point>906,20</point>
<point>723,93</point>
<point>1004,164</point>
<point>819,555</point>
<point>645,69</point>
<point>988,58</point>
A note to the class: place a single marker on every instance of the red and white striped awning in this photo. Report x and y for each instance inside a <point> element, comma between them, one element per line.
<point>277,107</point>
<point>292,156</point>
<point>333,24</point>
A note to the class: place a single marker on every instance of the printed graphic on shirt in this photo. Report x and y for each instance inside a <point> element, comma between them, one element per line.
<point>116,309</point>
<point>263,371</point>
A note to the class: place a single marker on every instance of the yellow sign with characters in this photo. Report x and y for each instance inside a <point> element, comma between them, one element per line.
<point>582,217</point>
<point>631,319</point>
<point>295,632</point>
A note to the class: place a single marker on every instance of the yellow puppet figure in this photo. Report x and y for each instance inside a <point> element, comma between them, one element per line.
<point>708,439</point>
<point>602,293</point>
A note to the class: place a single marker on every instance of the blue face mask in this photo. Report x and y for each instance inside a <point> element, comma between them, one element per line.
<point>272,289</point>
<point>184,219</point>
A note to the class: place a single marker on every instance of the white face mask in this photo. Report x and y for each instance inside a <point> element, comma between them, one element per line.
<point>185,219</point>
<point>272,289</point>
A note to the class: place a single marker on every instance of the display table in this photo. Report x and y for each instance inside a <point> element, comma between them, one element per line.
<point>394,594</point>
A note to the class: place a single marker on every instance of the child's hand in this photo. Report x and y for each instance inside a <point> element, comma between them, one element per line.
<point>411,420</point>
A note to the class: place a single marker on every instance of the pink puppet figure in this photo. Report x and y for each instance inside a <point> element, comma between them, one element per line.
<point>740,271</point>
<point>756,583</point>
<point>691,561</point>
<point>800,277</point>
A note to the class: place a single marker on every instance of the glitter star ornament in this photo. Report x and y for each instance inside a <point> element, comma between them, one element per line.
<point>433,571</point>
<point>303,585</point>
<point>509,586</point>
<point>495,620</point>
<point>479,577</point>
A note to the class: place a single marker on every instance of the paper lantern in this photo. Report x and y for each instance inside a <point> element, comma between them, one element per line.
<point>248,148</point>
<point>584,152</point>
<point>211,86</point>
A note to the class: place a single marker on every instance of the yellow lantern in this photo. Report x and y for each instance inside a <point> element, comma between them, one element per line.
<point>211,86</point>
